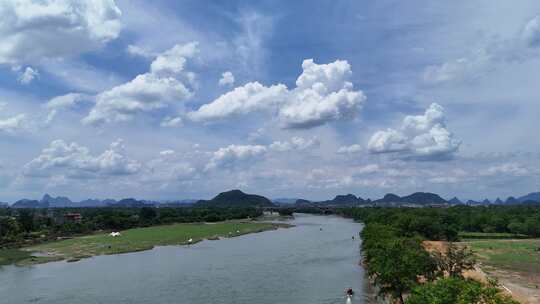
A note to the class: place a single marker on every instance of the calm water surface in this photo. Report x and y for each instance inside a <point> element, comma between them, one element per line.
<point>297,265</point>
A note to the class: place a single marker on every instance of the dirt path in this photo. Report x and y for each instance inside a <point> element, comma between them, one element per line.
<point>523,287</point>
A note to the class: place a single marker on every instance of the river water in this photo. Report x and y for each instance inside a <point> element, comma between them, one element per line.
<point>303,264</point>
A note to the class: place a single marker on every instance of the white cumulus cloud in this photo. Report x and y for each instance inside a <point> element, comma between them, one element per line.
<point>64,102</point>
<point>32,30</point>
<point>171,122</point>
<point>249,98</point>
<point>323,94</point>
<point>14,125</point>
<point>240,155</point>
<point>350,149</point>
<point>76,161</point>
<point>227,79</point>
<point>135,50</point>
<point>28,75</point>
<point>173,61</point>
<point>387,141</point>
<point>422,137</point>
<point>166,85</point>
<point>295,143</point>
<point>234,155</point>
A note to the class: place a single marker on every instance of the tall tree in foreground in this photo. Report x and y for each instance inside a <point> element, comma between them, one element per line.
<point>454,261</point>
<point>396,264</point>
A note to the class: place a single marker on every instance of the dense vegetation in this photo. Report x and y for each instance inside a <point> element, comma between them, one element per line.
<point>23,226</point>
<point>401,267</point>
<point>445,223</point>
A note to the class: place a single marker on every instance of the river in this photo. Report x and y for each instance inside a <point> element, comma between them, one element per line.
<point>310,263</point>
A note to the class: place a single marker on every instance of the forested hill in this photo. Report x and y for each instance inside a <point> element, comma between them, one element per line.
<point>236,198</point>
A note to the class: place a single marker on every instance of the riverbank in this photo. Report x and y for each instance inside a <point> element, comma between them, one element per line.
<point>131,240</point>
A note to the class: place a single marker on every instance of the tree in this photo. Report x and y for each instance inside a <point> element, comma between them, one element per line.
<point>286,211</point>
<point>454,260</point>
<point>147,214</point>
<point>454,290</point>
<point>533,226</point>
<point>399,264</point>
<point>26,219</point>
<point>9,228</point>
<point>517,227</point>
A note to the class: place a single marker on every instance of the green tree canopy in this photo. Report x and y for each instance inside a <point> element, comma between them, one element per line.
<point>457,291</point>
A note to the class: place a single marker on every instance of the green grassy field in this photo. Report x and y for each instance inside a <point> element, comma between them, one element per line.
<point>131,240</point>
<point>515,255</point>
<point>485,235</point>
<point>10,256</point>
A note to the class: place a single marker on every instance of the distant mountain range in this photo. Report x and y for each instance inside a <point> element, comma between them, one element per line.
<point>239,198</point>
<point>418,198</point>
<point>415,199</point>
<point>96,202</point>
<point>131,203</point>
<point>455,201</point>
<point>390,199</point>
<point>531,197</point>
<point>344,200</point>
<point>26,203</point>
<point>284,200</point>
<point>62,202</point>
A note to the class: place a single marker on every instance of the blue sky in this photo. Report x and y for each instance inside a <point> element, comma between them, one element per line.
<point>184,99</point>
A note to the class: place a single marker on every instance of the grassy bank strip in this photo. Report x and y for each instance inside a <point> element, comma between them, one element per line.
<point>486,236</point>
<point>131,240</point>
<point>11,256</point>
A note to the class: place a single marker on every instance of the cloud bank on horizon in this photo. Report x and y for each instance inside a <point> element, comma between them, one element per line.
<point>99,99</point>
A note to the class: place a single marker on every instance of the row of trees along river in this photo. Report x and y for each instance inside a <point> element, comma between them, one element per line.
<point>403,270</point>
